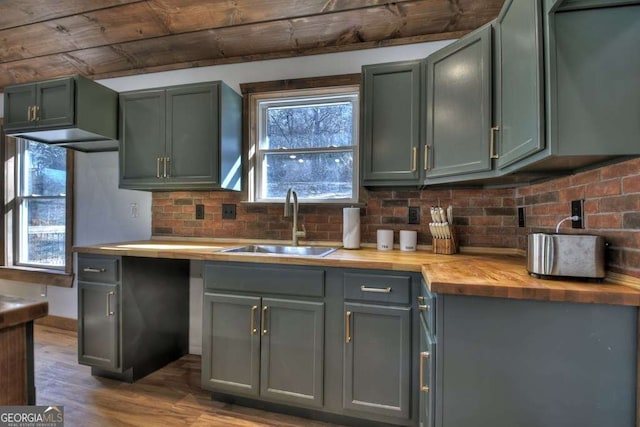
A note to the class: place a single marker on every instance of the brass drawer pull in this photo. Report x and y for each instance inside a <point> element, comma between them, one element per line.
<point>94,270</point>
<point>365,288</point>
<point>423,356</point>
<point>157,167</point>
<point>264,320</point>
<point>252,328</point>
<point>347,328</point>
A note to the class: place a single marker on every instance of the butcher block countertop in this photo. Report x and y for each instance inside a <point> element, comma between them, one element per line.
<point>501,276</point>
<point>16,311</point>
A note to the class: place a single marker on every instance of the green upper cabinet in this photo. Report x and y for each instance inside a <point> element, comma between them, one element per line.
<point>391,124</point>
<point>458,107</point>
<point>519,81</point>
<point>594,79</point>
<point>73,112</point>
<point>181,138</point>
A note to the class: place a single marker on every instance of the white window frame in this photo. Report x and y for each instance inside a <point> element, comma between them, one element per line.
<point>259,102</point>
<point>21,216</point>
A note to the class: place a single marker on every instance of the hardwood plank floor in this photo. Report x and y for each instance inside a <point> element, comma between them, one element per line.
<point>170,396</point>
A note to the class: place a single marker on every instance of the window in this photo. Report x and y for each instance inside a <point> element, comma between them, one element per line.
<point>306,140</point>
<point>38,212</point>
<point>40,205</point>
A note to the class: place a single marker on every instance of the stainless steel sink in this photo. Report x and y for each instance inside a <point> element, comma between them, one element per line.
<point>317,251</point>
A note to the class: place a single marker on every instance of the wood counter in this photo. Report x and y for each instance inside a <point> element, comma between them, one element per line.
<point>16,349</point>
<point>501,276</point>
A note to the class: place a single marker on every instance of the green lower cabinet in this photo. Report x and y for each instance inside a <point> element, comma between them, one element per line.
<point>98,329</point>
<point>377,359</point>
<point>504,363</point>
<point>270,348</point>
<point>231,344</point>
<point>426,380</point>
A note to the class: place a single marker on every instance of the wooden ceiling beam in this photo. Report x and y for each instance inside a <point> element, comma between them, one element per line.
<point>149,19</point>
<point>241,36</point>
<point>17,13</point>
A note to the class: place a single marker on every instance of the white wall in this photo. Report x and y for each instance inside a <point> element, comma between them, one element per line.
<point>103,210</point>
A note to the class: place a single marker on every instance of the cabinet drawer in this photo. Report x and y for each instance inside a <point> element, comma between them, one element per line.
<point>377,287</point>
<point>281,280</point>
<point>426,303</point>
<point>95,268</point>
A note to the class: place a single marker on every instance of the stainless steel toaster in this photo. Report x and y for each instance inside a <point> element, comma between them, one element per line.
<point>566,255</point>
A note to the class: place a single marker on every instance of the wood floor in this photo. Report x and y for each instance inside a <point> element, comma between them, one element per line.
<point>169,397</point>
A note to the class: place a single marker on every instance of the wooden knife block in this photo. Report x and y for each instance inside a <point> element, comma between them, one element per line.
<point>445,246</point>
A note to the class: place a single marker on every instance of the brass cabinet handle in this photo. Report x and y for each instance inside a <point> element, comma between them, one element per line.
<point>167,168</point>
<point>164,167</point>
<point>347,327</point>
<point>414,159</point>
<point>420,299</point>
<point>94,270</point>
<point>365,288</point>
<point>29,119</point>
<point>492,144</point>
<point>423,356</point>
<point>252,328</point>
<point>36,113</point>
<point>109,311</point>
<point>158,167</point>
<point>423,307</point>
<point>264,320</point>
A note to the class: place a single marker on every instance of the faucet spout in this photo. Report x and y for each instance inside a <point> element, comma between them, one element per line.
<point>290,210</point>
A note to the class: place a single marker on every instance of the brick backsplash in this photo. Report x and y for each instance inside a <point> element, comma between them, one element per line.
<point>483,217</point>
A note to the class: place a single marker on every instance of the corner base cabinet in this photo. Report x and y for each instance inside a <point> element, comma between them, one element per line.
<point>133,314</point>
<point>503,363</point>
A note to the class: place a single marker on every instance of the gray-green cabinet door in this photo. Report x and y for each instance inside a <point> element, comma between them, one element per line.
<point>193,133</point>
<point>519,81</point>
<point>391,123</point>
<point>597,102</point>
<point>17,101</point>
<point>142,137</point>
<point>377,359</point>
<point>458,105</point>
<point>426,381</point>
<point>98,325</point>
<point>292,354</point>
<point>55,103</point>
<point>231,343</point>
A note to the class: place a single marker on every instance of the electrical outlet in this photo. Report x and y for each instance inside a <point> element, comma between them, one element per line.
<point>577,209</point>
<point>413,215</point>
<point>199,211</point>
<point>521,221</point>
<point>228,211</point>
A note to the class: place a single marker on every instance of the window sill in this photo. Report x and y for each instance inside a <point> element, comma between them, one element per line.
<point>38,276</point>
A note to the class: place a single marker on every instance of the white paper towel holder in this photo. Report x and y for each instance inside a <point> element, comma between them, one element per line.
<point>351,228</point>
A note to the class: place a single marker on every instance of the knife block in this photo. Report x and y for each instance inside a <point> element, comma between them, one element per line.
<point>445,246</point>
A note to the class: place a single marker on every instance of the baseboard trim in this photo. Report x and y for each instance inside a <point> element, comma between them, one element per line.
<point>58,322</point>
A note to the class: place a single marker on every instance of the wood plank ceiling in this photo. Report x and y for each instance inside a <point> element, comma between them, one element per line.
<point>42,39</point>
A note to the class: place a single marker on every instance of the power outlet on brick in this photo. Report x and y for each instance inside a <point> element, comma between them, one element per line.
<point>413,215</point>
<point>228,211</point>
<point>199,211</point>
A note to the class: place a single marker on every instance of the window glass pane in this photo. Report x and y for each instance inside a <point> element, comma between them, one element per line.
<point>318,176</point>
<point>308,126</point>
<point>44,170</point>
<point>42,232</point>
